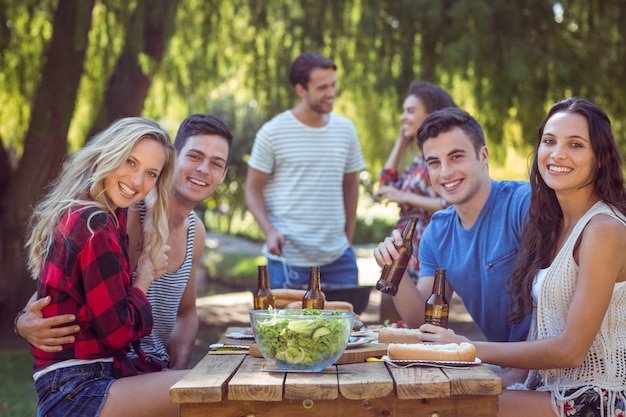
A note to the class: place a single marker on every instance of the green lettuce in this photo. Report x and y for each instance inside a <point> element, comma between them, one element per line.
<point>299,343</point>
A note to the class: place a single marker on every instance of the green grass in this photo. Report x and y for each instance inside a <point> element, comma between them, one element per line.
<point>232,270</point>
<point>17,392</point>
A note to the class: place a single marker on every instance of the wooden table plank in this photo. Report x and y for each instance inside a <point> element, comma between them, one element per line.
<point>365,380</point>
<point>206,382</point>
<point>476,406</point>
<point>478,380</point>
<point>359,353</point>
<point>251,384</point>
<point>420,382</point>
<point>313,386</point>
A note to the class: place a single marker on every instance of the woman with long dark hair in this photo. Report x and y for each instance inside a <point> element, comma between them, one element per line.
<point>571,274</point>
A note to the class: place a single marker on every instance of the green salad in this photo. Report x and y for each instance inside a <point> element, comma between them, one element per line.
<point>303,338</point>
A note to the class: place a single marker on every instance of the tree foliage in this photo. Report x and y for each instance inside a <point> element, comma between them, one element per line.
<point>69,67</point>
<point>44,141</point>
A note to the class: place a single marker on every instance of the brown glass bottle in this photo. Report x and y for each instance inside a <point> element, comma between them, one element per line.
<point>263,297</point>
<point>392,274</point>
<point>437,308</point>
<point>314,298</point>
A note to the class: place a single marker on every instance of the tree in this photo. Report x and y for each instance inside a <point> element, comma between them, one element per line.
<point>44,149</point>
<point>45,143</point>
<point>505,61</point>
<point>149,29</point>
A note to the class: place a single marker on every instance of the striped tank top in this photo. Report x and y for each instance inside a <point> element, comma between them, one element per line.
<point>165,295</point>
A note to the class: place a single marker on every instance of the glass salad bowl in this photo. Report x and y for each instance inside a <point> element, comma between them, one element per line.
<point>305,340</point>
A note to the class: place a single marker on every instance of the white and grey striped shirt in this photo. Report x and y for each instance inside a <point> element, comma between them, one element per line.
<point>304,193</point>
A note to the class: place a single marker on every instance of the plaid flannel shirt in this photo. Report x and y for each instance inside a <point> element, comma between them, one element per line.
<point>87,273</point>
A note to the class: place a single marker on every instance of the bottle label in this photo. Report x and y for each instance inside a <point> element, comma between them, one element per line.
<point>316,304</point>
<point>436,315</point>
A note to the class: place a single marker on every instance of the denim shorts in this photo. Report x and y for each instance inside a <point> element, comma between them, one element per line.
<point>77,391</point>
<point>342,272</point>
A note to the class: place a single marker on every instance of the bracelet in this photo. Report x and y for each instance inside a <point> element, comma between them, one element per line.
<point>17,317</point>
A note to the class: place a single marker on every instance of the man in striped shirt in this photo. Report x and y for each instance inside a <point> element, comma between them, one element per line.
<point>203,147</point>
<point>302,184</point>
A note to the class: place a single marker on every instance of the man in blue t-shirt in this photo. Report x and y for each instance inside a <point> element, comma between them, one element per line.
<point>476,239</point>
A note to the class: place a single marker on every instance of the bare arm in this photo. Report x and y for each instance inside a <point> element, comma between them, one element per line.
<point>410,301</point>
<point>397,151</point>
<point>390,193</point>
<point>430,204</point>
<point>255,199</point>
<point>350,201</point>
<point>601,265</point>
<point>181,341</point>
<point>47,334</point>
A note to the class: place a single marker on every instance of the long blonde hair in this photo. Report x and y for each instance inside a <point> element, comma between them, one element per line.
<point>83,176</point>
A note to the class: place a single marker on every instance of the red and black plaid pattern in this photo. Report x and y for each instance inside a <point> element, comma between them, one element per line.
<point>87,273</point>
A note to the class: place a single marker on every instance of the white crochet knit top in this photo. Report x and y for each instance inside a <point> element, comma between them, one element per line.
<point>605,364</point>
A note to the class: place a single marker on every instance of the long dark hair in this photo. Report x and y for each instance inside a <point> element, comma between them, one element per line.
<point>540,234</point>
<point>432,96</point>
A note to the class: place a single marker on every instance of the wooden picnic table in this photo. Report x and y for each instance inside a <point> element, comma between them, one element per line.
<point>237,385</point>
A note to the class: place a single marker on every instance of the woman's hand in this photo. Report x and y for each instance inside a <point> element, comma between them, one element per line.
<point>406,135</point>
<point>148,272</point>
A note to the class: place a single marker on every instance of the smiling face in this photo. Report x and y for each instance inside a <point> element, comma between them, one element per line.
<point>413,114</point>
<point>321,90</point>
<point>201,166</point>
<point>565,157</point>
<point>456,172</point>
<point>134,179</point>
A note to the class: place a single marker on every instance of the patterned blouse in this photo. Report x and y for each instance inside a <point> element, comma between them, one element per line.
<point>414,179</point>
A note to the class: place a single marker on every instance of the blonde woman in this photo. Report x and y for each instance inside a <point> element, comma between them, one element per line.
<point>78,250</point>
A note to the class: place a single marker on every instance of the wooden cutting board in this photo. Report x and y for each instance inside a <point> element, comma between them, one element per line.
<point>350,355</point>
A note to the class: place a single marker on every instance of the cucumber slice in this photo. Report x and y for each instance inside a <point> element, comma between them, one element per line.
<point>320,332</point>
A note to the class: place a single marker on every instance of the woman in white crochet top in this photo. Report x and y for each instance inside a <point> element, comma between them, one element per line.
<point>571,272</point>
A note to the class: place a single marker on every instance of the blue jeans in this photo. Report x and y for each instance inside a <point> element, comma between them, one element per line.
<point>342,272</point>
<point>77,391</point>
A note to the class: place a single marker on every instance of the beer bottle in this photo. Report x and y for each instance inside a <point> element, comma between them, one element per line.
<point>314,298</point>
<point>437,307</point>
<point>263,297</point>
<point>392,274</point>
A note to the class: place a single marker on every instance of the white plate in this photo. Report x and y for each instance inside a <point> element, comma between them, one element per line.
<point>406,363</point>
<point>240,335</point>
<point>357,341</point>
